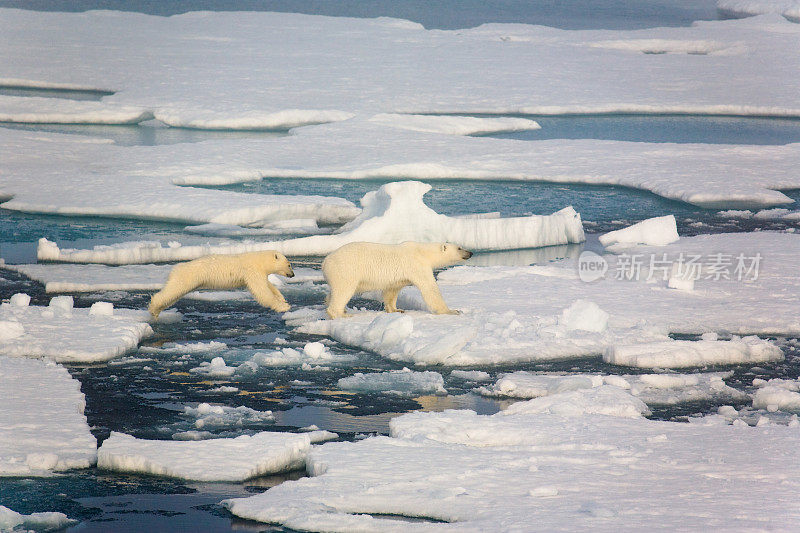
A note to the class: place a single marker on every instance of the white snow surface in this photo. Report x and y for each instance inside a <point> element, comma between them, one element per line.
<point>747,8</point>
<point>512,314</point>
<point>657,231</point>
<point>234,459</point>
<point>42,425</point>
<point>66,334</point>
<point>777,394</point>
<point>33,110</point>
<point>13,521</point>
<point>368,66</point>
<point>680,353</point>
<point>454,125</point>
<point>653,389</point>
<point>392,214</point>
<point>558,467</point>
<point>403,382</point>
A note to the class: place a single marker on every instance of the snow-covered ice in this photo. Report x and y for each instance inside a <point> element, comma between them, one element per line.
<point>454,125</point>
<point>312,353</point>
<point>213,52</point>
<point>11,520</point>
<point>61,111</point>
<point>748,8</point>
<point>392,214</point>
<point>522,313</point>
<point>657,231</point>
<point>403,382</point>
<point>66,334</point>
<point>42,425</point>
<point>470,375</point>
<point>233,459</point>
<point>679,353</point>
<point>653,389</point>
<point>281,227</point>
<point>208,416</point>
<point>556,467</point>
<point>777,394</point>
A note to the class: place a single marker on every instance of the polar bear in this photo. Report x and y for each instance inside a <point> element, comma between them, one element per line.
<point>226,272</point>
<point>365,266</point>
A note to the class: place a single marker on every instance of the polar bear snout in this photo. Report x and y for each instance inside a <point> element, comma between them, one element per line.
<point>289,273</point>
<point>465,254</point>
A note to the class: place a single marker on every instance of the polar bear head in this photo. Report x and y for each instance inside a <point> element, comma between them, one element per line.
<point>276,263</point>
<point>440,254</point>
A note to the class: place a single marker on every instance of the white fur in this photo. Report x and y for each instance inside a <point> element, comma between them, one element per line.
<point>226,272</point>
<point>364,266</point>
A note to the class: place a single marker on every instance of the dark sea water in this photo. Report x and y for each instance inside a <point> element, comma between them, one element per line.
<point>144,393</point>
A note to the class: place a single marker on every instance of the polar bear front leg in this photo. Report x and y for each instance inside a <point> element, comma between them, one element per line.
<point>426,284</point>
<point>266,294</point>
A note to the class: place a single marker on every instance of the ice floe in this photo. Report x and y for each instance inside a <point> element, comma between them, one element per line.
<point>403,382</point>
<point>777,395</point>
<point>455,125</point>
<point>653,389</point>
<point>67,334</point>
<point>680,353</point>
<point>60,111</point>
<point>213,52</point>
<point>790,9</point>
<point>312,353</point>
<point>658,231</point>
<point>392,214</point>
<point>232,459</point>
<point>208,416</point>
<point>42,425</point>
<point>548,312</point>
<point>48,521</point>
<point>571,470</point>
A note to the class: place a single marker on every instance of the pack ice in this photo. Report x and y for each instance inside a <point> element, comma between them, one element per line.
<point>232,459</point>
<point>579,460</point>
<point>545,312</point>
<point>392,214</point>
<point>65,333</point>
<point>42,425</point>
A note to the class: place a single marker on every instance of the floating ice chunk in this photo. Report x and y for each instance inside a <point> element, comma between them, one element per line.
<point>677,354</point>
<point>62,305</point>
<point>403,382</point>
<point>102,309</point>
<point>189,347</point>
<point>312,352</point>
<point>280,120</point>
<point>777,395</point>
<point>454,125</point>
<point>735,213</point>
<point>748,8</point>
<point>49,521</point>
<point>93,278</point>
<point>236,459</point>
<point>68,334</point>
<point>209,416</point>
<point>602,400</point>
<point>307,226</point>
<point>653,389</point>
<point>584,315</point>
<point>20,300</point>
<point>392,214</point>
<point>470,375</point>
<point>657,231</point>
<point>42,425</point>
<point>217,368</point>
<point>456,467</point>
<point>34,110</point>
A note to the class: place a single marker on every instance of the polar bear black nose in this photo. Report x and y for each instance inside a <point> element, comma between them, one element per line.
<point>467,254</point>
<point>290,274</point>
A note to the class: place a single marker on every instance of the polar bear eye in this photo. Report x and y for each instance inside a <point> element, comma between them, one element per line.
<point>276,257</point>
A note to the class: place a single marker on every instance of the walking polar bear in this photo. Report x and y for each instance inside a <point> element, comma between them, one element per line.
<point>364,266</point>
<point>226,272</point>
